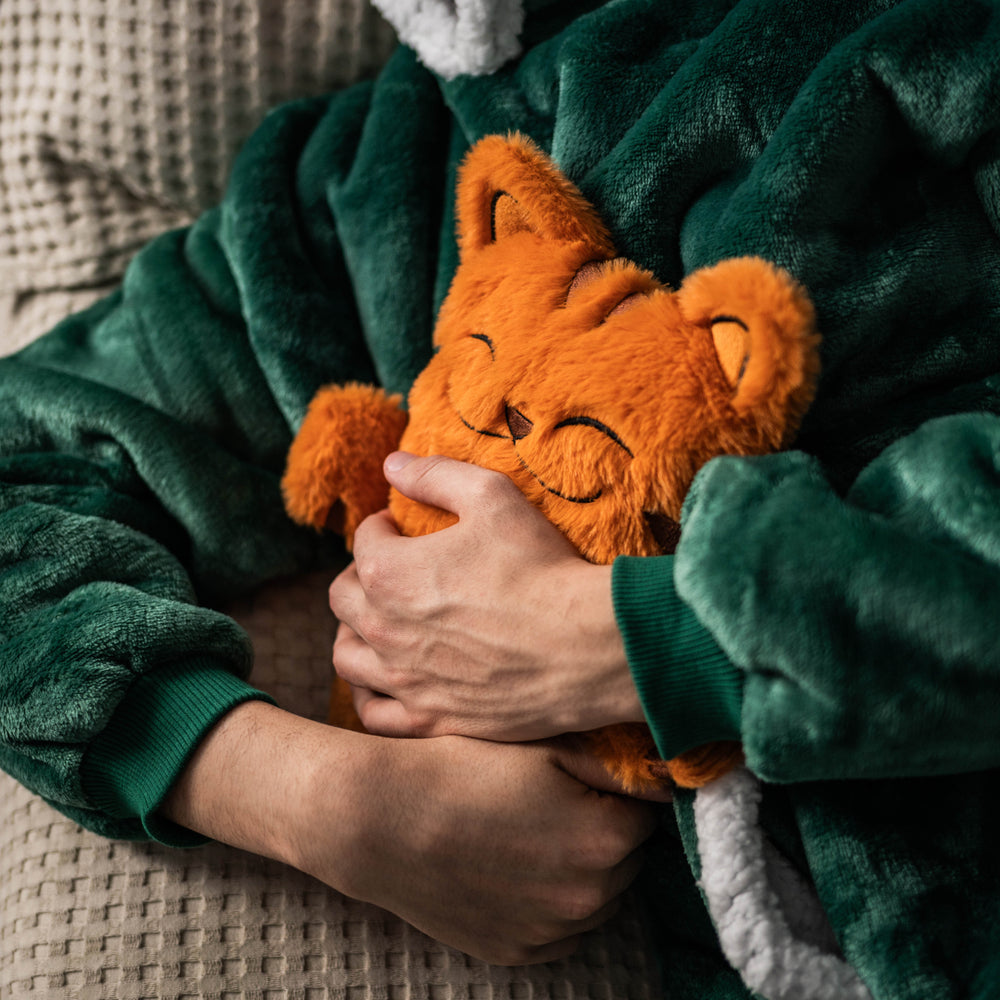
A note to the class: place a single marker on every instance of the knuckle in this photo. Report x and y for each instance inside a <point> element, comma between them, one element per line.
<point>342,661</point>
<point>607,847</point>
<point>372,629</point>
<point>343,637</point>
<point>374,573</point>
<point>335,593</point>
<point>423,472</point>
<point>581,902</point>
<point>361,537</point>
<point>489,488</point>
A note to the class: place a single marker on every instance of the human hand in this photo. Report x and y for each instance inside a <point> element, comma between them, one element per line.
<point>501,850</point>
<point>494,627</point>
<point>494,849</point>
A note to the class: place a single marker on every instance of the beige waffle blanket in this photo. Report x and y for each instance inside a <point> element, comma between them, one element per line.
<point>119,119</point>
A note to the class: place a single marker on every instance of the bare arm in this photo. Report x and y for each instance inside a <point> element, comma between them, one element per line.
<point>493,848</point>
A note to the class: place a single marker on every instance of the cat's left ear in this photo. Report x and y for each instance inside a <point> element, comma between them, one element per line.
<point>507,185</point>
<point>762,326</point>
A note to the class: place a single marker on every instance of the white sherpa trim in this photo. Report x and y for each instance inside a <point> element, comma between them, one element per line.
<point>770,922</point>
<point>453,37</point>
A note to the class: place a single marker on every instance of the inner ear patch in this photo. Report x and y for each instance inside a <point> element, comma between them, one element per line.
<point>732,345</point>
<point>507,216</point>
<point>627,303</point>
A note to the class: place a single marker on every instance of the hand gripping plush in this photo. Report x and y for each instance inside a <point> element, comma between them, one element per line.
<point>599,391</point>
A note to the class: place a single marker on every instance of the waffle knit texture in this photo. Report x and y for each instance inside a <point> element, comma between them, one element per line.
<point>852,582</point>
<point>117,124</point>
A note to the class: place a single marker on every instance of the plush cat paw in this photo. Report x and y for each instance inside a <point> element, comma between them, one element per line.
<point>704,764</point>
<point>333,479</point>
<point>630,755</point>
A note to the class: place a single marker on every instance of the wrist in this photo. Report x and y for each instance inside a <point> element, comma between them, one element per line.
<point>222,791</point>
<point>598,676</point>
<point>258,778</point>
<point>339,812</point>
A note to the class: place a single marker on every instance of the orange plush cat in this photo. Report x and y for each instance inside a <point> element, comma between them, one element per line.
<point>596,389</point>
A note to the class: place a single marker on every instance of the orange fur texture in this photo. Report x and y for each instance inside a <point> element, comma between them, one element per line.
<point>333,477</point>
<point>599,391</point>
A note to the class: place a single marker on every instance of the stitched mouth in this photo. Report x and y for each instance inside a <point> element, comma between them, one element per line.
<point>524,465</point>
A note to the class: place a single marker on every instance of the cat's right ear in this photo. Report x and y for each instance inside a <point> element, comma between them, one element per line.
<point>763,331</point>
<point>507,185</point>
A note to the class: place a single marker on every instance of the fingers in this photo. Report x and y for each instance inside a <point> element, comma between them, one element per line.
<point>565,946</point>
<point>352,659</point>
<point>350,592</point>
<point>575,912</point>
<point>377,552</point>
<point>384,716</point>
<point>374,554</point>
<point>581,764</point>
<point>345,595</point>
<point>447,483</point>
<point>584,910</point>
<point>621,846</point>
<point>355,662</point>
<point>376,528</point>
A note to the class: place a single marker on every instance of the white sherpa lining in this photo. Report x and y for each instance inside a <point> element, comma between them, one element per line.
<point>770,922</point>
<point>453,37</point>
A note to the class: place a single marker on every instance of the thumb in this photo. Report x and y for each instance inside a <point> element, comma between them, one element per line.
<point>444,482</point>
<point>580,763</point>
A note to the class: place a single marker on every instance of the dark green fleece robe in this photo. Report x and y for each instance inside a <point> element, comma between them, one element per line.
<point>836,607</point>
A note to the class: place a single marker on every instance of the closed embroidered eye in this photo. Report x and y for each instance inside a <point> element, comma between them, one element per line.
<point>486,340</point>
<point>597,425</point>
<point>624,287</point>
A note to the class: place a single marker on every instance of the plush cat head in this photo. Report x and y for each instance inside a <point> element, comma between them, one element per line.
<point>597,389</point>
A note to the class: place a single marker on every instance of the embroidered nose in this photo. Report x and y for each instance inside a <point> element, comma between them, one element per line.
<point>517,423</point>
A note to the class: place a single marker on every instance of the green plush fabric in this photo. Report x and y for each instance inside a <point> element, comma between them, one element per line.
<point>838,602</point>
<point>691,963</point>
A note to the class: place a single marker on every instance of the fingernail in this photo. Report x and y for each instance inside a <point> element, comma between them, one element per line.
<point>398,460</point>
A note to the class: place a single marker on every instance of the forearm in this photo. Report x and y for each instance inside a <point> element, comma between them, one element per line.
<point>488,847</point>
<point>252,783</point>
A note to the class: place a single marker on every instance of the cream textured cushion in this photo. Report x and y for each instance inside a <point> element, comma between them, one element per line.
<point>120,119</point>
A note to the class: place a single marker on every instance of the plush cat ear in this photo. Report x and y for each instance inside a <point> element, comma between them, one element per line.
<point>763,329</point>
<point>507,185</point>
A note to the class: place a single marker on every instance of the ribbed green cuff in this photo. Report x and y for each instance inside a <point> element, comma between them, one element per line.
<point>690,692</point>
<point>129,768</point>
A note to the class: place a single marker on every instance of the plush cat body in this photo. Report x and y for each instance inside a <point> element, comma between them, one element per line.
<point>596,389</point>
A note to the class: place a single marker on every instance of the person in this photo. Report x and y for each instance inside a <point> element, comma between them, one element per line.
<point>531,817</point>
<point>831,606</point>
